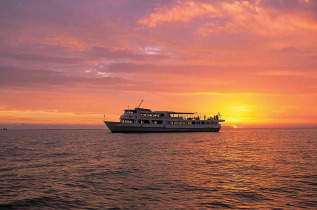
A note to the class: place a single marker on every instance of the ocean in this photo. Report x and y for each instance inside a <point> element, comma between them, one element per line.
<point>235,168</point>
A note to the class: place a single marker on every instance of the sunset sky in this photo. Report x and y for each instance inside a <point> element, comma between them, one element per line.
<point>71,62</point>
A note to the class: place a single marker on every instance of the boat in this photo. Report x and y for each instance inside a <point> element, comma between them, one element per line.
<point>146,120</point>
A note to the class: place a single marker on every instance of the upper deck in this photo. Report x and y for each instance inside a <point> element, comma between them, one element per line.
<point>143,113</point>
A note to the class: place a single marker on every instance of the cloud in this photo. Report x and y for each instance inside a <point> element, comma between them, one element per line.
<point>184,11</point>
<point>68,42</point>
<point>39,58</point>
<point>102,52</point>
<point>289,5</point>
<point>236,17</point>
<point>297,74</point>
<point>11,77</point>
<point>200,78</point>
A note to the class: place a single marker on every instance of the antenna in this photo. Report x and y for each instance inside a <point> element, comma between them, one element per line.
<point>140,103</point>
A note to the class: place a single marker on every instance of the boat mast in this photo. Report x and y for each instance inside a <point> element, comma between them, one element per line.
<point>140,103</point>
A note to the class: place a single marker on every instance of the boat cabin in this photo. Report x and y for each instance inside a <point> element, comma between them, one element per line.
<point>146,116</point>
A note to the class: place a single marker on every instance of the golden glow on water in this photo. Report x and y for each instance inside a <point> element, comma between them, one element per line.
<point>236,168</point>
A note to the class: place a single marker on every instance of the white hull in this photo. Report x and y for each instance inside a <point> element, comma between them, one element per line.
<point>117,127</point>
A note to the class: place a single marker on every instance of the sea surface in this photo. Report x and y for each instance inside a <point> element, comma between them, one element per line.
<point>237,168</point>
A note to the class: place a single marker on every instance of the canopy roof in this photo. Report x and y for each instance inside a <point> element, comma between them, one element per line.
<point>169,112</point>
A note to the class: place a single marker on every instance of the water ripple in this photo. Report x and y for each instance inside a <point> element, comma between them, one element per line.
<point>234,169</point>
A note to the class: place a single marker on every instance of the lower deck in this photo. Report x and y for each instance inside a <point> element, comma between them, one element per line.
<point>117,127</point>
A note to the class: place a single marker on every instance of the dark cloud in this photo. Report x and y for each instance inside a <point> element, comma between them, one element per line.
<point>41,58</point>
<point>11,77</point>
<point>291,5</point>
<point>102,52</point>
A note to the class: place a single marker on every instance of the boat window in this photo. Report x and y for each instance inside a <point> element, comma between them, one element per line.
<point>157,121</point>
<point>208,123</point>
<point>143,114</point>
<point>144,121</point>
<point>194,122</point>
<point>130,112</point>
<point>128,121</point>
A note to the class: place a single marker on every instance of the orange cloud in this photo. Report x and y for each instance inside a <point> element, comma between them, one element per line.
<point>234,17</point>
<point>182,12</point>
<point>71,43</point>
<point>265,22</point>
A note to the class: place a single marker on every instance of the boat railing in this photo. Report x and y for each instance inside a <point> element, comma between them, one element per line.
<point>177,118</point>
